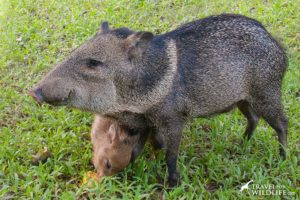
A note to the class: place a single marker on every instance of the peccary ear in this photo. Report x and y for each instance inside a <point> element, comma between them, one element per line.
<point>113,133</point>
<point>117,133</point>
<point>104,27</point>
<point>138,42</point>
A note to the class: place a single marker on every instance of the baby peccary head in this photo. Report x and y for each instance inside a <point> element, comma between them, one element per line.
<point>112,146</point>
<point>91,77</point>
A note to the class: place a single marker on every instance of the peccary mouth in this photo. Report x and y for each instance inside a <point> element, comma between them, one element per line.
<point>62,101</point>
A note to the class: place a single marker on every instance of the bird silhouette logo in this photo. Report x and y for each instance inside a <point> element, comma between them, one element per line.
<point>246,186</point>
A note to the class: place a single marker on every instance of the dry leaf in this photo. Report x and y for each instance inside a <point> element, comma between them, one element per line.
<point>90,176</point>
<point>41,156</point>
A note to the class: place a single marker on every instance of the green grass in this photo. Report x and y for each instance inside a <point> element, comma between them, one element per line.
<point>34,35</point>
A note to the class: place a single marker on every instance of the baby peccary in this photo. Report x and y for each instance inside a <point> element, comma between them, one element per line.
<point>112,146</point>
<point>205,67</point>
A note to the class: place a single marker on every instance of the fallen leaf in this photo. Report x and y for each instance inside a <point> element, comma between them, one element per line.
<point>90,176</point>
<point>41,156</point>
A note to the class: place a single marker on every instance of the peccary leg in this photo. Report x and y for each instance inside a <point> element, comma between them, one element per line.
<point>140,146</point>
<point>173,178</point>
<point>155,141</point>
<point>252,118</point>
<point>171,139</point>
<point>280,124</point>
<point>271,110</point>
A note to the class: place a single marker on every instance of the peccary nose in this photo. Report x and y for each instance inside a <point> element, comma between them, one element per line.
<point>37,94</point>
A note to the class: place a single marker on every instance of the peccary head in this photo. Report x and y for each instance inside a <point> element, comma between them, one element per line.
<point>93,77</point>
<point>112,146</point>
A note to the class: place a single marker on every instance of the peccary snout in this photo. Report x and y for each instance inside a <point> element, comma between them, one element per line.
<point>37,95</point>
<point>54,92</point>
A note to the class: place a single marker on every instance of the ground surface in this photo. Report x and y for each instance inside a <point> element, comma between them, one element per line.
<point>35,35</point>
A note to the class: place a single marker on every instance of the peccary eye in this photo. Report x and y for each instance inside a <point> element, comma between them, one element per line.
<point>107,164</point>
<point>92,63</point>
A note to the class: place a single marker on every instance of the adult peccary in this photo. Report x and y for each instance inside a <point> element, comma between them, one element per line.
<point>158,82</point>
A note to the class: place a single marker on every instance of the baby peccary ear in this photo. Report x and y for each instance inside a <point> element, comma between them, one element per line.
<point>113,133</point>
<point>137,43</point>
<point>117,134</point>
<point>104,28</point>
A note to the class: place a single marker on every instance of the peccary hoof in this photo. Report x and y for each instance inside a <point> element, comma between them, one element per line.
<point>173,180</point>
